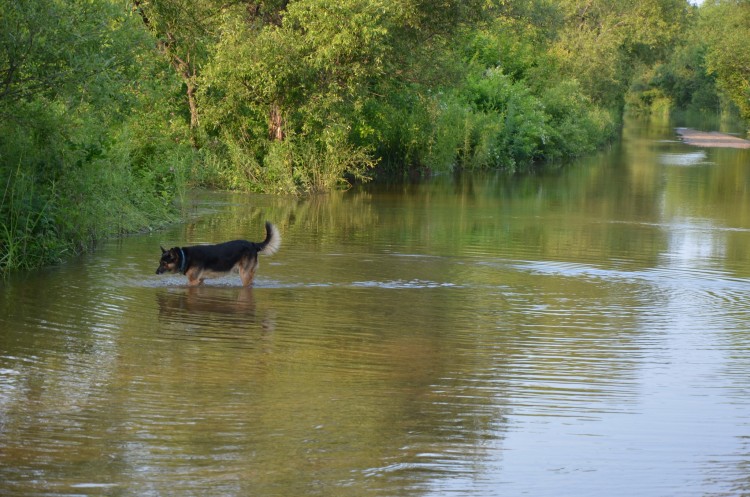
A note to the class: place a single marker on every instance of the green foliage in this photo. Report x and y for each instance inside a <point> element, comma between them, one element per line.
<point>682,82</point>
<point>401,129</point>
<point>726,27</point>
<point>601,42</point>
<point>42,222</point>
<point>576,126</point>
<point>521,128</point>
<point>84,153</point>
<point>108,113</point>
<point>706,69</point>
<point>309,72</point>
<point>318,165</point>
<point>499,104</point>
<point>409,82</point>
<point>685,80</point>
<point>27,234</point>
<point>301,164</point>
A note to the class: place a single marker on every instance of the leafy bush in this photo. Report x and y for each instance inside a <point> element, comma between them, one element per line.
<point>575,125</point>
<point>87,146</point>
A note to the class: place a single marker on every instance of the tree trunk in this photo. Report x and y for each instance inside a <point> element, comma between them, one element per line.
<point>193,105</point>
<point>166,42</point>
<point>275,124</point>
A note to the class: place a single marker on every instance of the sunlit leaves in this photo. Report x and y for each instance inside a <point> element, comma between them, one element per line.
<point>726,28</point>
<point>600,41</point>
<point>85,111</point>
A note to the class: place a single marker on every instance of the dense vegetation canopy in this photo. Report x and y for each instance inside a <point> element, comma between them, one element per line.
<point>110,109</point>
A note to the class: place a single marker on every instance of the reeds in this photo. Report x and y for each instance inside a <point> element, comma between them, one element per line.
<point>24,239</point>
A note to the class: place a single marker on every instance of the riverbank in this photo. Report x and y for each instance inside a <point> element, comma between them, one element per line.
<point>711,139</point>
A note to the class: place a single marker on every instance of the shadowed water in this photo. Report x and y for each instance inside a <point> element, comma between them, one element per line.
<point>578,332</point>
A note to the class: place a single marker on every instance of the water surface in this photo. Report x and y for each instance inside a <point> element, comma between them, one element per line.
<point>582,331</point>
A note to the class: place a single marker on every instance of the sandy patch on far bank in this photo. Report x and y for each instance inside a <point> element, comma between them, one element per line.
<point>711,139</point>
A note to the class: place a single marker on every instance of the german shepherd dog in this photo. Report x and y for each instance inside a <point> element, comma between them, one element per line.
<point>209,261</point>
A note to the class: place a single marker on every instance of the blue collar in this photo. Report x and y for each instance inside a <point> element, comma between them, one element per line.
<point>183,261</point>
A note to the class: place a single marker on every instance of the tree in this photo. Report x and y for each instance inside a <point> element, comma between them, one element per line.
<point>182,29</point>
<point>601,41</point>
<point>726,29</point>
<point>78,84</point>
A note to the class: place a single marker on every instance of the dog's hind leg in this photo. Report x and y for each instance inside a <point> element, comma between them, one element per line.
<point>247,270</point>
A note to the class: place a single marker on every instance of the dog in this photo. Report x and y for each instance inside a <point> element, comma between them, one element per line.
<point>210,261</point>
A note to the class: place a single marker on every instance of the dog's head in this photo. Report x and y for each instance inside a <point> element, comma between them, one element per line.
<point>170,260</point>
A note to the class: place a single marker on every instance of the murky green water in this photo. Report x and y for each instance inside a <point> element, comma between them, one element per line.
<point>579,332</point>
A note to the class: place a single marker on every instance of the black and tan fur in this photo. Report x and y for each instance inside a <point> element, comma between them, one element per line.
<point>210,261</point>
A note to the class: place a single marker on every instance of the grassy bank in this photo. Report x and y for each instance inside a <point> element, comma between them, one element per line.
<point>46,217</point>
<point>91,141</point>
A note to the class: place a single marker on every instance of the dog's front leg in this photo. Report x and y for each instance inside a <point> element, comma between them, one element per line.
<point>194,278</point>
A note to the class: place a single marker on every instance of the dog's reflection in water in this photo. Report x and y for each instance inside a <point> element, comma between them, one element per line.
<point>216,311</point>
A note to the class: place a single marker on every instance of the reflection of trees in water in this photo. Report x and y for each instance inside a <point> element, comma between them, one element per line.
<point>349,388</point>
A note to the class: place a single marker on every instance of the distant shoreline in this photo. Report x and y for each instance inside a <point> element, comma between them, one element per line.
<point>711,139</point>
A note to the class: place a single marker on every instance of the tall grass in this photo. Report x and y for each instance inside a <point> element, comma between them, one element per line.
<point>46,217</point>
<point>298,165</point>
<point>24,236</point>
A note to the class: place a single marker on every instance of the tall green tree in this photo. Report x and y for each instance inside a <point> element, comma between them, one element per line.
<point>601,41</point>
<point>308,79</point>
<point>67,73</point>
<point>78,82</point>
<point>187,31</point>
<point>182,30</point>
<point>726,29</point>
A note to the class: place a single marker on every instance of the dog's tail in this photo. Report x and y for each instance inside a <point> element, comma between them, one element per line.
<point>271,244</point>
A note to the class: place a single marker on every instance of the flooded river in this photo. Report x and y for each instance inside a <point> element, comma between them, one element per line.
<point>583,331</point>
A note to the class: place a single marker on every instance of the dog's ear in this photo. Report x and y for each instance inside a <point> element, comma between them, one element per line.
<point>162,250</point>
